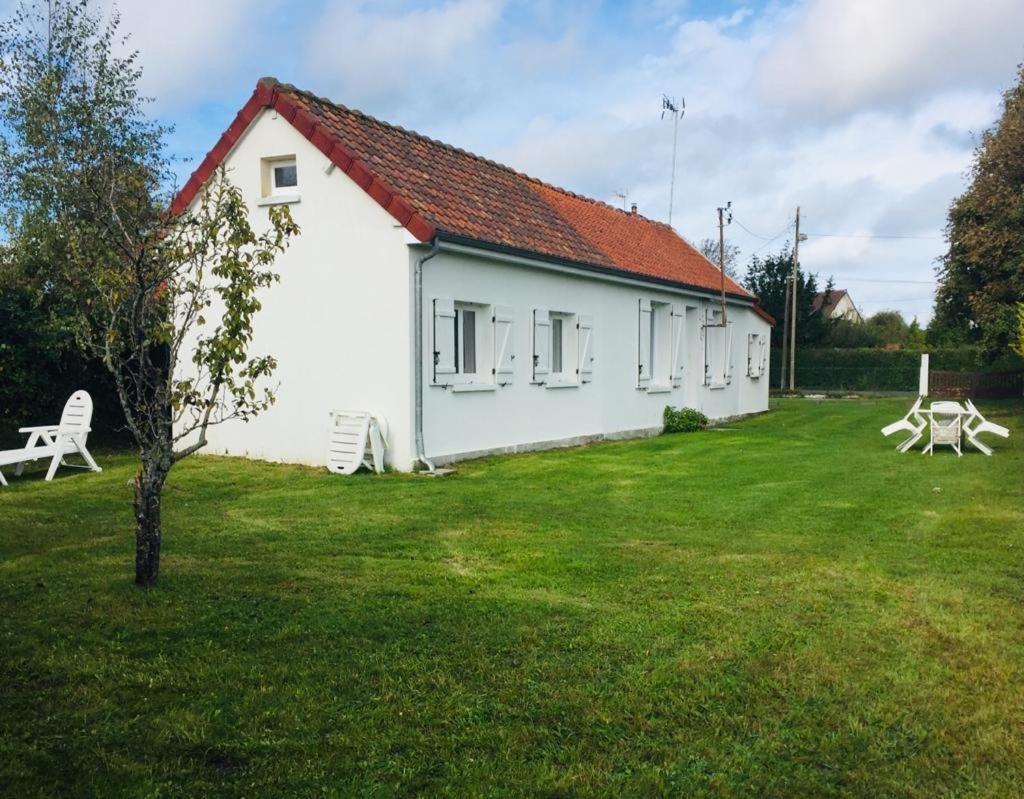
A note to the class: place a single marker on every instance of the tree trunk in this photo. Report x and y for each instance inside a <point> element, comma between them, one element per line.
<point>149,483</point>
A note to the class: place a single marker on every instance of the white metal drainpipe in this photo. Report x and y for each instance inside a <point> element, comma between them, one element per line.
<point>421,453</point>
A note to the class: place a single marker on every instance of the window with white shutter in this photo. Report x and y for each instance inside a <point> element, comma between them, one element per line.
<point>463,344</point>
<point>718,354</point>
<point>541,345</point>
<point>756,351</point>
<point>504,346</point>
<point>643,365</point>
<point>678,346</point>
<point>585,368</point>
<point>728,353</point>
<point>444,341</point>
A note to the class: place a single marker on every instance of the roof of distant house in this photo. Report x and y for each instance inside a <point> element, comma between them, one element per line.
<point>834,298</point>
<point>435,189</point>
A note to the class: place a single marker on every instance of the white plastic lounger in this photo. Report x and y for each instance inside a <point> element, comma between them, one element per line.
<point>351,432</point>
<point>977,424</point>
<point>56,441</point>
<point>913,423</point>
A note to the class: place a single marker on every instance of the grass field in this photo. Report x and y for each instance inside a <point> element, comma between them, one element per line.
<point>784,607</point>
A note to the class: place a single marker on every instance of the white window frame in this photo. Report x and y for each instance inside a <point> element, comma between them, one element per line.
<point>461,337</point>
<point>275,165</point>
<point>449,338</point>
<point>270,192</point>
<point>568,355</point>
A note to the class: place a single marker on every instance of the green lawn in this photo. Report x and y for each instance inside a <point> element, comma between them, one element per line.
<point>783,607</point>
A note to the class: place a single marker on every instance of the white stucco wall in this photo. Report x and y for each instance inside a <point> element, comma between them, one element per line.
<point>338,322</point>
<point>340,325</point>
<point>523,413</point>
<point>845,309</point>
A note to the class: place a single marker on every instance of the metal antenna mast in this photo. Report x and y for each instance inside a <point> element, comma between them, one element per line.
<point>677,111</point>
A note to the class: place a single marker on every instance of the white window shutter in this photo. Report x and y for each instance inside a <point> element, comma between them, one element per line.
<point>643,366</point>
<point>764,354</point>
<point>444,340</point>
<point>678,346</point>
<point>504,346</point>
<point>728,352</point>
<point>541,344</point>
<point>753,357</point>
<point>585,348</point>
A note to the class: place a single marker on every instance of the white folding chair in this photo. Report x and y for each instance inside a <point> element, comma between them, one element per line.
<point>977,424</point>
<point>913,423</point>
<point>56,441</point>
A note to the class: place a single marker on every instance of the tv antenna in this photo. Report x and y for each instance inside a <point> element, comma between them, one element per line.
<point>676,111</point>
<point>622,194</point>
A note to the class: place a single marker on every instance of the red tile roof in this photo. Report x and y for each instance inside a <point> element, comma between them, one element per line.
<point>834,297</point>
<point>434,189</point>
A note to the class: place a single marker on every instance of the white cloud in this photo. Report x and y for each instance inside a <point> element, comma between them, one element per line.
<point>843,56</point>
<point>372,51</point>
<point>189,47</point>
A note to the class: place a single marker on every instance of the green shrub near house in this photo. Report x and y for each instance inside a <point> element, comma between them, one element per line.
<point>683,420</point>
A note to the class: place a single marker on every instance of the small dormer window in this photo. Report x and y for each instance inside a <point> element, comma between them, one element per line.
<point>284,177</point>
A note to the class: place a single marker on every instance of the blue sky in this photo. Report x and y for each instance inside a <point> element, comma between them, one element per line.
<point>863,113</point>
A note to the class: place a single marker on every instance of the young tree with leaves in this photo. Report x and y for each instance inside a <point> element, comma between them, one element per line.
<point>709,249</point>
<point>166,301</point>
<point>981,280</point>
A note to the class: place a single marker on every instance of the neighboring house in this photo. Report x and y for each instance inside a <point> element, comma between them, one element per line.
<point>838,305</point>
<point>544,318</point>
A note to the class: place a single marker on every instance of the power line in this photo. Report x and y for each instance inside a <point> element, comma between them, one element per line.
<point>884,280</point>
<point>781,233</point>
<point>757,235</point>
<point>894,301</point>
<point>871,236</point>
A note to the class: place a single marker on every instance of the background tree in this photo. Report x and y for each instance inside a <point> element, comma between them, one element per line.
<point>981,279</point>
<point>915,336</point>
<point>709,249</point>
<point>166,302</point>
<point>767,277</point>
<point>1019,348</point>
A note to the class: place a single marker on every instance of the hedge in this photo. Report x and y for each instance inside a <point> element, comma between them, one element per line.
<point>879,370</point>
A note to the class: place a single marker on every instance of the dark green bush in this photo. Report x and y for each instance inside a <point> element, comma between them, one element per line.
<point>683,420</point>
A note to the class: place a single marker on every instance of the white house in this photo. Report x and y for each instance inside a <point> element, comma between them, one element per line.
<point>837,305</point>
<point>475,308</point>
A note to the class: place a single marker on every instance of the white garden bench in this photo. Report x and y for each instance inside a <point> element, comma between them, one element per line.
<point>56,441</point>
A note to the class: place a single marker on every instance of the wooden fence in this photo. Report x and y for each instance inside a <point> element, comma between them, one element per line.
<point>976,385</point>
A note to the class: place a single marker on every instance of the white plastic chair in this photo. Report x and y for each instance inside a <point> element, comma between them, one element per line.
<point>56,441</point>
<point>976,424</point>
<point>913,423</point>
<point>946,426</point>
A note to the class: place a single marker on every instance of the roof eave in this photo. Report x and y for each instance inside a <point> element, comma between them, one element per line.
<point>585,266</point>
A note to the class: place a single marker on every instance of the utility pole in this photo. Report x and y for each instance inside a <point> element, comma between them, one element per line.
<point>669,104</point>
<point>722,222</point>
<point>785,339</point>
<point>793,296</point>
